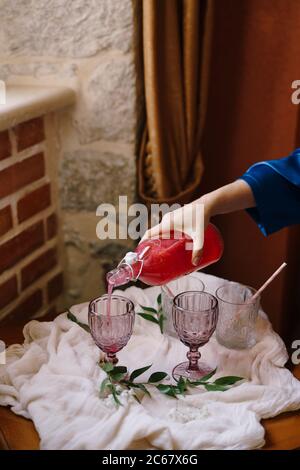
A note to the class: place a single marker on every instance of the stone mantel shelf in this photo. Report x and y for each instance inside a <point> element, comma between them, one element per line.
<point>27,102</point>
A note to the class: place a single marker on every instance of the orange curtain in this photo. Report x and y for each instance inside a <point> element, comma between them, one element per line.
<point>174,37</point>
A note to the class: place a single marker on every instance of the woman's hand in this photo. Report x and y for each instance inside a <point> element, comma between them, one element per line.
<point>192,219</point>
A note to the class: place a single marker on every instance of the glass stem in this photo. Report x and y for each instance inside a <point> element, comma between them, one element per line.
<point>193,356</point>
<point>111,357</point>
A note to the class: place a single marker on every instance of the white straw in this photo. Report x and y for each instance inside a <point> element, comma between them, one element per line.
<point>262,288</point>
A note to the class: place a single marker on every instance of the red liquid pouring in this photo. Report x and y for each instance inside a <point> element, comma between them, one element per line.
<point>161,260</point>
<point>110,288</point>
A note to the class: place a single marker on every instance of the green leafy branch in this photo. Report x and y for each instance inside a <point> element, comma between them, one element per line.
<point>117,380</point>
<point>117,376</point>
<point>184,385</point>
<point>154,315</point>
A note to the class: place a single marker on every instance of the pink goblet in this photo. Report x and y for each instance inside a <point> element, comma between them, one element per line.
<point>111,324</point>
<point>195,316</point>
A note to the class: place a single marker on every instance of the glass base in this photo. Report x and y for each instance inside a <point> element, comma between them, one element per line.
<point>182,370</point>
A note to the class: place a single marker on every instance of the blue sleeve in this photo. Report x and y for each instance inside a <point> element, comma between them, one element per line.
<point>276,188</point>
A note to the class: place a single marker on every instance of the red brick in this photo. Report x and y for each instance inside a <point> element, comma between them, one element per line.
<point>25,172</point>
<point>51,226</point>
<point>29,133</point>
<point>27,307</point>
<point>6,222</point>
<point>21,245</point>
<point>55,287</point>
<point>8,291</point>
<point>34,202</point>
<point>38,267</point>
<point>5,145</point>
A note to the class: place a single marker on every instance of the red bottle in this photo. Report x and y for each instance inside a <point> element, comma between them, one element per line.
<point>161,260</point>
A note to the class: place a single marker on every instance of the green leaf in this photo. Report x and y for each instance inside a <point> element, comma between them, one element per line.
<point>72,317</point>
<point>148,317</point>
<point>107,366</point>
<point>208,376</point>
<point>227,380</point>
<point>117,376</point>
<point>215,388</point>
<point>137,385</point>
<point>197,382</point>
<point>182,385</point>
<point>121,369</point>
<point>163,388</point>
<point>144,389</point>
<point>158,300</point>
<point>170,390</point>
<point>117,401</point>
<point>85,327</point>
<point>161,323</point>
<point>114,394</point>
<point>157,377</point>
<point>149,309</point>
<point>136,398</point>
<point>103,386</point>
<point>193,384</point>
<point>173,392</point>
<point>136,373</point>
<point>129,384</point>
<point>118,373</point>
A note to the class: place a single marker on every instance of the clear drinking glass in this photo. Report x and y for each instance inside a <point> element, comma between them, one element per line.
<point>168,292</point>
<point>237,316</point>
<point>111,328</point>
<point>195,316</point>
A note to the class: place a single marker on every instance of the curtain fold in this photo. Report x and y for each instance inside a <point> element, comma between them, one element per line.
<point>174,37</point>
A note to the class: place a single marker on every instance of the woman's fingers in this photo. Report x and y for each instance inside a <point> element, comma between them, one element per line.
<point>197,248</point>
<point>152,232</point>
<point>196,256</point>
<point>197,241</point>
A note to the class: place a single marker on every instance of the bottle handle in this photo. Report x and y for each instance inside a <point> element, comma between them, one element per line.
<point>132,257</point>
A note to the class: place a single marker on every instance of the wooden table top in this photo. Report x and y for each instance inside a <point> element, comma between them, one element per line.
<point>283,431</point>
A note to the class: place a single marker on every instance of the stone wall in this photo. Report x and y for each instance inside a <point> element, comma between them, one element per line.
<point>89,46</point>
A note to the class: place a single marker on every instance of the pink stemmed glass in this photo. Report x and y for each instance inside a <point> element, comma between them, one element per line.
<point>111,325</point>
<point>195,316</point>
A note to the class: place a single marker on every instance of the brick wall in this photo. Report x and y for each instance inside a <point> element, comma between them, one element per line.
<point>31,279</point>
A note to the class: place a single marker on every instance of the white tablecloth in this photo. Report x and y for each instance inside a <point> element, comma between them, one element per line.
<point>53,379</point>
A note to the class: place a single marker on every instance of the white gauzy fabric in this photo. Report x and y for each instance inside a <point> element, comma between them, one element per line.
<point>53,379</point>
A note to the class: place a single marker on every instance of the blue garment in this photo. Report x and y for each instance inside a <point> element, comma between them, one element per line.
<point>276,188</point>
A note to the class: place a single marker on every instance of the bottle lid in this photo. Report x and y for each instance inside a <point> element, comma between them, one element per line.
<point>130,257</point>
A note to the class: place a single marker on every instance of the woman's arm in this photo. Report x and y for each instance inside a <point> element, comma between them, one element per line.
<point>269,190</point>
<point>230,198</point>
